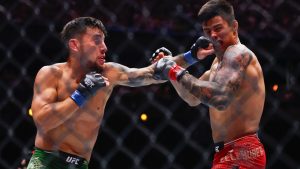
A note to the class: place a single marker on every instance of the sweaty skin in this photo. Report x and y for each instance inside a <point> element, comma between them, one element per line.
<point>61,124</point>
<point>233,88</point>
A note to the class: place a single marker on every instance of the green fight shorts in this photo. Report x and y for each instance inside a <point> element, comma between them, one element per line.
<point>42,159</point>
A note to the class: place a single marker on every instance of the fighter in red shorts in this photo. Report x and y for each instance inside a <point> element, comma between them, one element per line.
<point>233,88</point>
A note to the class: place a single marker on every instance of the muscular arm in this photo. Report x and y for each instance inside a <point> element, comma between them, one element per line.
<point>48,113</point>
<point>185,94</point>
<point>133,77</point>
<point>180,61</point>
<point>221,89</point>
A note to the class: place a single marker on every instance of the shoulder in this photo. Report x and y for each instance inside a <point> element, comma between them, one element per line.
<point>236,50</point>
<point>115,69</point>
<point>51,71</point>
<point>238,54</point>
<point>113,66</point>
<point>55,68</point>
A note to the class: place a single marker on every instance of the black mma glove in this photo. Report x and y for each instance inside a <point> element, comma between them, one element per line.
<point>191,56</point>
<point>164,50</point>
<point>88,87</point>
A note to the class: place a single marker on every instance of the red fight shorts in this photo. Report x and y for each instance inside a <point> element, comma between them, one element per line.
<point>243,153</point>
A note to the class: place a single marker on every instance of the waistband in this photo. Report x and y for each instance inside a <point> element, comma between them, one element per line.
<point>66,157</point>
<point>220,145</point>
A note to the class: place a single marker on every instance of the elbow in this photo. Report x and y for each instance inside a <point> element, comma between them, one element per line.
<point>189,99</point>
<point>193,103</point>
<point>38,119</point>
<point>41,120</point>
<point>40,124</point>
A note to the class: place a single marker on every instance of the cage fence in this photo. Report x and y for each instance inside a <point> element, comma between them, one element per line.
<point>174,135</point>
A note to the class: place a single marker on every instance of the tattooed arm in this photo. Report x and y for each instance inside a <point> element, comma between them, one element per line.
<point>223,84</point>
<point>133,77</point>
<point>179,59</point>
<point>185,94</point>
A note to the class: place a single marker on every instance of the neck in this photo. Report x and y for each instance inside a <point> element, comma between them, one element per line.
<point>237,41</point>
<point>78,71</point>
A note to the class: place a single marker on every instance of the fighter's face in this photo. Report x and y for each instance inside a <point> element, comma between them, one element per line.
<point>220,32</point>
<point>92,48</point>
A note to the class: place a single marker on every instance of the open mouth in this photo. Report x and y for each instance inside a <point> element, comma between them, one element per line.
<point>217,43</point>
<point>101,59</point>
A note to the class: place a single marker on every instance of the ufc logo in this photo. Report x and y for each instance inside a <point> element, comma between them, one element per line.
<point>72,160</point>
<point>89,82</point>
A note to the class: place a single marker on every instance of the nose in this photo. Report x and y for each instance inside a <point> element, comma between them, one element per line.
<point>213,35</point>
<point>103,47</point>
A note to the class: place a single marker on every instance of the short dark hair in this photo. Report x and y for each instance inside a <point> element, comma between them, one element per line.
<point>78,26</point>
<point>217,8</point>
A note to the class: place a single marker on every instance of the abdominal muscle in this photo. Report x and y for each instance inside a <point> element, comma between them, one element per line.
<point>235,121</point>
<point>231,128</point>
<point>75,136</point>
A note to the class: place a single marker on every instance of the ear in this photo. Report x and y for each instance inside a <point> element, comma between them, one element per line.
<point>235,26</point>
<point>74,44</point>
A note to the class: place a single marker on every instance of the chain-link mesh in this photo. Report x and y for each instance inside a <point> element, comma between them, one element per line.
<point>175,135</point>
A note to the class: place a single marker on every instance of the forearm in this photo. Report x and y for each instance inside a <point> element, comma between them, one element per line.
<point>206,92</point>
<point>50,116</point>
<point>209,93</point>
<point>185,94</point>
<point>142,77</point>
<point>179,59</point>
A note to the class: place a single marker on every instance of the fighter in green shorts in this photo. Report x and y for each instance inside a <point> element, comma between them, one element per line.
<point>69,98</point>
<point>42,159</point>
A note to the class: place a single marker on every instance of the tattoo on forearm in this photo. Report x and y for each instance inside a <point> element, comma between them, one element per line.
<point>223,86</point>
<point>139,78</point>
<point>133,76</point>
<point>201,89</point>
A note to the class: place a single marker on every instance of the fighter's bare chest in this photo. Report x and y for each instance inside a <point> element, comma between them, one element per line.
<point>215,68</point>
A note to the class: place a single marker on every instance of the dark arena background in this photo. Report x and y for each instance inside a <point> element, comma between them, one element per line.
<point>174,135</point>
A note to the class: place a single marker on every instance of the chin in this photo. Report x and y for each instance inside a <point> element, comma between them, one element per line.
<point>100,67</point>
<point>96,67</point>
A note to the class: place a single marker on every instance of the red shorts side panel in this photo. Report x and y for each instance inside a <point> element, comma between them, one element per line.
<point>244,153</point>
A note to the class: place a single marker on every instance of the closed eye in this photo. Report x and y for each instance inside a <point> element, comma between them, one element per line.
<point>218,28</point>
